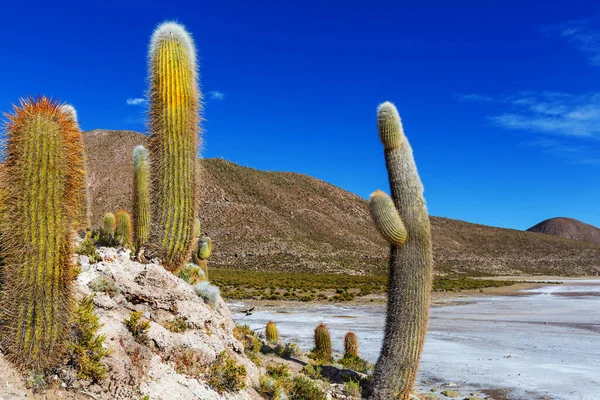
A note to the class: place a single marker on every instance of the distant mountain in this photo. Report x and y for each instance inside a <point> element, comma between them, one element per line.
<point>283,221</point>
<point>568,228</point>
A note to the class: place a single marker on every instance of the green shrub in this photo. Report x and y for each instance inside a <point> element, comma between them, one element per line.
<point>312,371</point>
<point>226,374</point>
<point>276,370</point>
<point>187,362</point>
<point>102,284</point>
<point>356,363</point>
<point>85,345</point>
<point>272,389</point>
<point>88,248</point>
<point>352,388</point>
<point>138,327</point>
<point>303,388</point>
<point>177,325</point>
<point>291,350</point>
<point>192,274</point>
<point>35,381</point>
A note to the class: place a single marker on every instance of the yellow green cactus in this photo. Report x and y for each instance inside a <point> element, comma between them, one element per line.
<point>322,350</point>
<point>350,345</point>
<point>411,262</point>
<point>271,332</point>
<point>141,195</point>
<point>124,231</point>
<point>43,184</point>
<point>174,126</point>
<point>109,224</point>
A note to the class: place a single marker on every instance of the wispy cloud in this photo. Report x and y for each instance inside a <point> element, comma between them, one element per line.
<point>479,98</point>
<point>136,101</point>
<point>555,113</point>
<point>581,35</point>
<point>216,95</point>
<point>574,153</point>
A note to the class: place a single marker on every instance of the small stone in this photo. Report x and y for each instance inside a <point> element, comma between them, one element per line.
<point>451,393</point>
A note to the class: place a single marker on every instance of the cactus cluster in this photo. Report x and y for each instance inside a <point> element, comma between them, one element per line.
<point>43,186</point>
<point>141,195</point>
<point>271,332</point>
<point>123,231</point>
<point>403,221</point>
<point>174,116</point>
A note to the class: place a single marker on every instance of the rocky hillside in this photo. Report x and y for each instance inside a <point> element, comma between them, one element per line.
<point>293,222</point>
<point>568,228</point>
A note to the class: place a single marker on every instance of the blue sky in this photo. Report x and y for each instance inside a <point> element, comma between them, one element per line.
<point>501,101</point>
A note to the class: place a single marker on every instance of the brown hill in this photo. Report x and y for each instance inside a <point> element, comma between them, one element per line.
<point>293,222</point>
<point>568,228</point>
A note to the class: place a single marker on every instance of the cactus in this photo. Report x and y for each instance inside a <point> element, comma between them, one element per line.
<point>174,126</point>
<point>109,225</point>
<point>271,332</point>
<point>322,350</point>
<point>197,230</point>
<point>83,218</point>
<point>350,345</point>
<point>141,195</point>
<point>202,250</point>
<point>403,221</point>
<point>123,232</point>
<point>42,183</point>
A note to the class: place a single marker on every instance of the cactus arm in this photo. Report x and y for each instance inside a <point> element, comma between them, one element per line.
<point>411,267</point>
<point>141,182</point>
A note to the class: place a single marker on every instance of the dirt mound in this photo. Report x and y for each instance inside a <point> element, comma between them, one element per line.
<point>279,221</point>
<point>568,228</point>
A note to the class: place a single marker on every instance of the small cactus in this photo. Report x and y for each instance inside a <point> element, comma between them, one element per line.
<point>197,230</point>
<point>350,345</point>
<point>174,115</point>
<point>109,224</point>
<point>141,195</point>
<point>42,189</point>
<point>271,332</point>
<point>202,251</point>
<point>322,348</point>
<point>403,221</point>
<point>123,232</point>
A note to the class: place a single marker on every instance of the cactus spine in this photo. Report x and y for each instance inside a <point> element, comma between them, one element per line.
<point>141,195</point>
<point>271,332</point>
<point>406,228</point>
<point>123,232</point>
<point>322,348</point>
<point>174,124</point>
<point>109,225</point>
<point>350,345</point>
<point>42,183</point>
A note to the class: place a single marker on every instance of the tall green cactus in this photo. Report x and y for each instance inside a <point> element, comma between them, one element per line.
<point>403,221</point>
<point>109,224</point>
<point>42,183</point>
<point>174,125</point>
<point>83,218</point>
<point>322,350</point>
<point>141,195</point>
<point>123,232</point>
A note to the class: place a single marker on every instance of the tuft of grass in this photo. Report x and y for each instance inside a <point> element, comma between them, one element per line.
<point>208,292</point>
<point>291,350</point>
<point>176,325</point>
<point>35,381</point>
<point>85,345</point>
<point>356,363</point>
<point>188,362</point>
<point>312,371</point>
<point>273,389</point>
<point>226,374</point>
<point>138,327</point>
<point>102,284</point>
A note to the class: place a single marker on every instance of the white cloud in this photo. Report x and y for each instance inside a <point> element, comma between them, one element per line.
<point>216,95</point>
<point>554,113</point>
<point>473,97</point>
<point>136,101</point>
<point>581,36</point>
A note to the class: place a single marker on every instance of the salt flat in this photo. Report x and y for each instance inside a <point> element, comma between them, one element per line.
<point>545,343</point>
